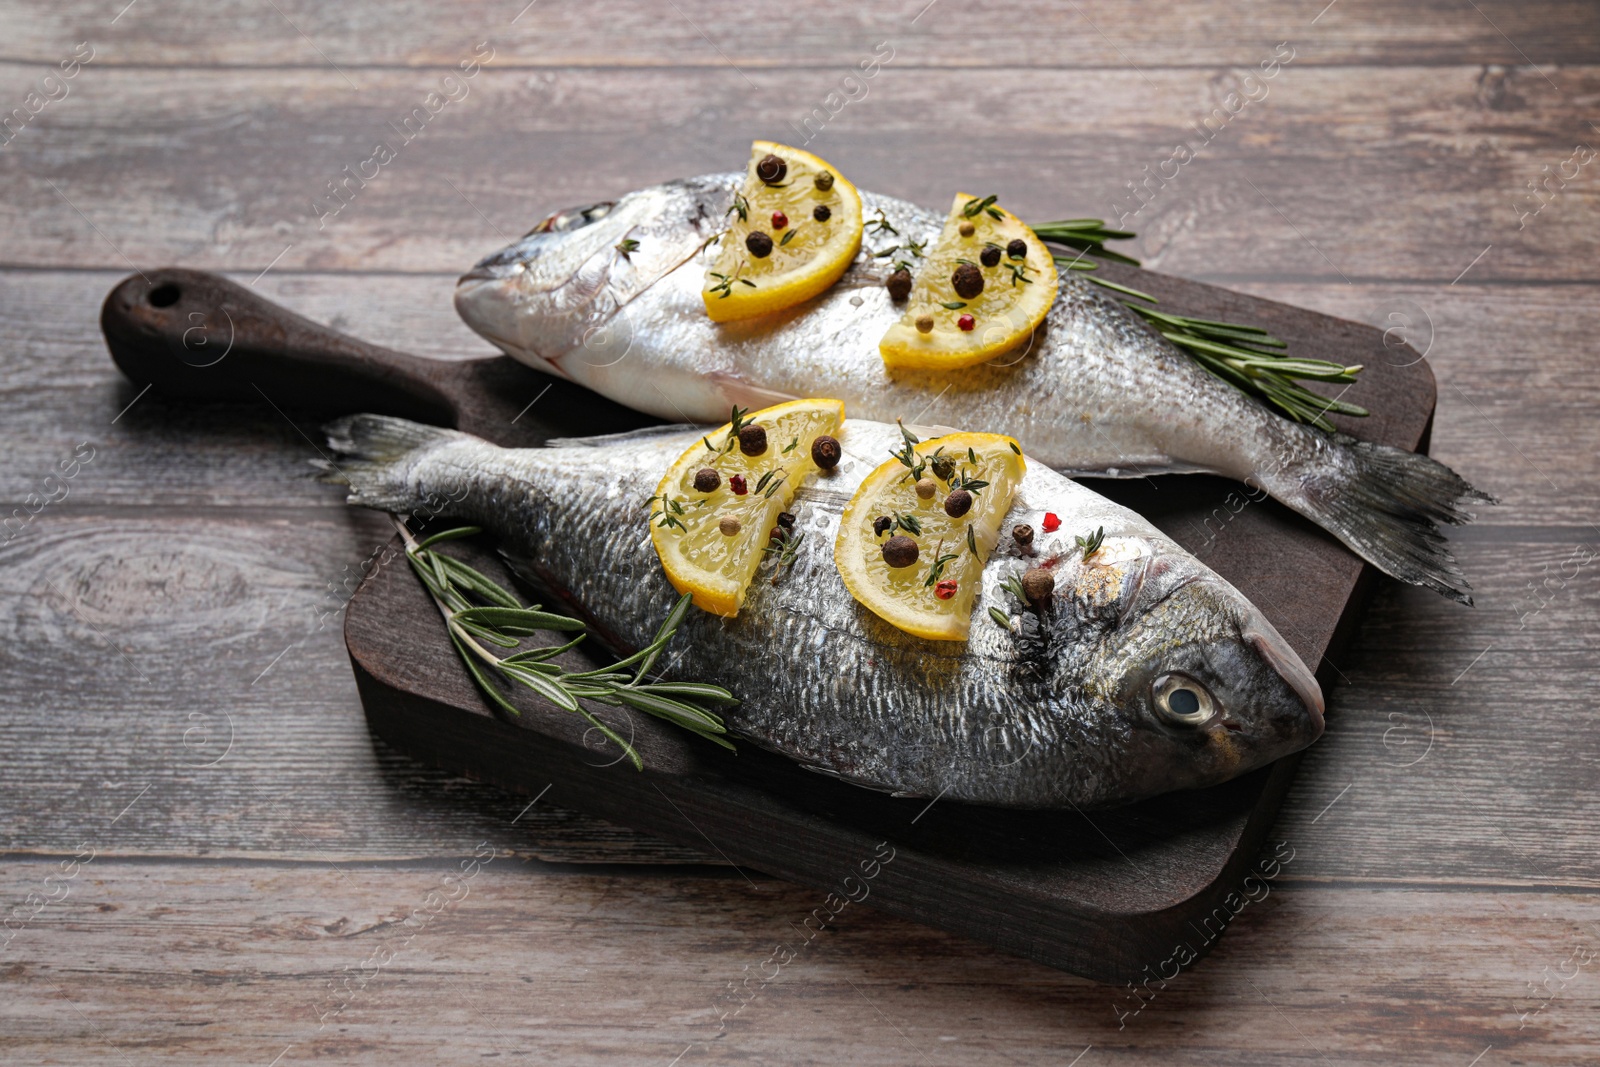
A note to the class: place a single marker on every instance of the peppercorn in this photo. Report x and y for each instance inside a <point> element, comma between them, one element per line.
<point>881,525</point>
<point>1023,535</point>
<point>958,503</point>
<point>967,281</point>
<point>759,244</point>
<point>729,525</point>
<point>706,480</point>
<point>1017,249</point>
<point>924,323</point>
<point>899,284</point>
<point>736,483</point>
<point>786,519</point>
<point>943,469</point>
<point>771,169</point>
<point>821,213</point>
<point>990,256</point>
<point>776,535</point>
<point>945,589</point>
<point>825,452</point>
<point>966,229</point>
<point>1038,584</point>
<point>823,181</point>
<point>779,220</point>
<point>900,551</point>
<point>926,487</point>
<point>966,322</point>
<point>752,440</point>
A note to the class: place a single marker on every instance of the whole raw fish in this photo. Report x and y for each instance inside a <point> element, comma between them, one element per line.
<point>1063,707</point>
<point>1096,391</point>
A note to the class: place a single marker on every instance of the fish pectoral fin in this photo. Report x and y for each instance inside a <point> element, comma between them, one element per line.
<point>735,390</point>
<point>1136,470</point>
<point>643,434</point>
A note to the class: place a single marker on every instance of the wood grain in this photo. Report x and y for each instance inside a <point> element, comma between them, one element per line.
<point>1398,158</point>
<point>701,33</point>
<point>1317,179</point>
<point>162,962</point>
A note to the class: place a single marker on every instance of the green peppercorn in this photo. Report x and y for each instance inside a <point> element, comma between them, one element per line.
<point>943,469</point>
<point>966,229</point>
<point>924,323</point>
<point>823,181</point>
<point>707,480</point>
<point>900,551</point>
<point>759,244</point>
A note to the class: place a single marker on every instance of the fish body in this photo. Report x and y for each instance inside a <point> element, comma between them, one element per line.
<point>1094,391</point>
<point>1054,710</point>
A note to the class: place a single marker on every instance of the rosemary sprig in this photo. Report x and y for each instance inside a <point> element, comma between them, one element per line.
<point>725,282</point>
<point>1248,358</point>
<point>501,621</point>
<point>626,247</point>
<point>785,549</point>
<point>942,560</point>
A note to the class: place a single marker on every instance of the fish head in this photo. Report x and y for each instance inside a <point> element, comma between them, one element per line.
<point>1201,686</point>
<point>563,288</point>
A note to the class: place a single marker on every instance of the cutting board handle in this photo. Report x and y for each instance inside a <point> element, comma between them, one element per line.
<point>198,335</point>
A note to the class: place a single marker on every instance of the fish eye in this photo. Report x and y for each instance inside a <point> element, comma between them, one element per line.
<point>1182,700</point>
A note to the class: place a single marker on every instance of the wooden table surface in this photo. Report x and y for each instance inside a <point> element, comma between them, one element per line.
<point>206,857</point>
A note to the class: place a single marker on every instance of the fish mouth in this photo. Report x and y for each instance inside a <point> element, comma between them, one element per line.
<point>1272,648</point>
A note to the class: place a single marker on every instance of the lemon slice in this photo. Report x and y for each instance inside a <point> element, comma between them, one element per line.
<point>931,596</point>
<point>949,321</point>
<point>711,538</point>
<point>788,239</point>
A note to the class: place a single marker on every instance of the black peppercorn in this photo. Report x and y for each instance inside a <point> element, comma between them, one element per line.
<point>958,503</point>
<point>900,551</point>
<point>899,284</point>
<point>759,244</point>
<point>821,213</point>
<point>1038,583</point>
<point>825,452</point>
<point>771,169</point>
<point>990,256</point>
<point>706,480</point>
<point>881,525</point>
<point>967,281</point>
<point>823,181</point>
<point>1023,535</point>
<point>752,440</point>
<point>786,520</point>
<point>1017,249</point>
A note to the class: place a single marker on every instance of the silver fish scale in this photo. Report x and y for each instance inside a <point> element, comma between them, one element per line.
<point>822,679</point>
<point>1078,393</point>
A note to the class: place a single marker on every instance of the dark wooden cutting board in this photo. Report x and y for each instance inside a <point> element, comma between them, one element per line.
<point>1110,895</point>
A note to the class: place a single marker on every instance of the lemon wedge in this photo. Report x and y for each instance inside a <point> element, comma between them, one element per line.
<point>979,292</point>
<point>913,540</point>
<point>794,227</point>
<point>712,517</point>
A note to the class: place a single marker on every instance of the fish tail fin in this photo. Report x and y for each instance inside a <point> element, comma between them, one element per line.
<point>1386,504</point>
<point>376,455</point>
